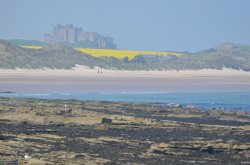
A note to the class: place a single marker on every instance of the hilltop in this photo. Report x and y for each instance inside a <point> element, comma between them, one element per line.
<point>227,55</point>
<point>12,56</point>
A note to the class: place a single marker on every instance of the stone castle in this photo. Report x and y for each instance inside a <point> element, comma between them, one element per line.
<point>69,34</point>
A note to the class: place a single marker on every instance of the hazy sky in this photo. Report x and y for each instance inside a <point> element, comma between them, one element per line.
<point>135,24</point>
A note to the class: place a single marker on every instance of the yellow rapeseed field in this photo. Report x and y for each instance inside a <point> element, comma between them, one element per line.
<point>31,47</point>
<point>120,54</point>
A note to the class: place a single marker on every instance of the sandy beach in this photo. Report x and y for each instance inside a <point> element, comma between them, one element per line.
<point>82,79</point>
<point>85,71</point>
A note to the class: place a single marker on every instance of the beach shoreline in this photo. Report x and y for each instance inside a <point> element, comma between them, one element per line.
<point>82,79</point>
<point>79,70</point>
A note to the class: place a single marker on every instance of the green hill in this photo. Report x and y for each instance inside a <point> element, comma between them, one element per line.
<point>227,55</point>
<point>12,56</point>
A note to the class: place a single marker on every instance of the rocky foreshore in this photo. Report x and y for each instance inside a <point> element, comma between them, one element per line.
<point>35,131</point>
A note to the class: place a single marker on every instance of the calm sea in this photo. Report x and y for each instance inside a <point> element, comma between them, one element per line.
<point>206,100</point>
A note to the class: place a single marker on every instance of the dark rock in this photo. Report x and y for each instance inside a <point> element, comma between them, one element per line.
<point>106,121</point>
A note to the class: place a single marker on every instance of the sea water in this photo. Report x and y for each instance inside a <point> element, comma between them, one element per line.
<point>205,100</point>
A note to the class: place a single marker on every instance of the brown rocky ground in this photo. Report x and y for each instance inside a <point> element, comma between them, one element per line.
<point>80,132</point>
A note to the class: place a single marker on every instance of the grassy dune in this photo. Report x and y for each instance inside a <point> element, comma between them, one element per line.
<point>227,55</point>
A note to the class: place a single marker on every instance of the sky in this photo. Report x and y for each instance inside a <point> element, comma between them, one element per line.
<point>174,25</point>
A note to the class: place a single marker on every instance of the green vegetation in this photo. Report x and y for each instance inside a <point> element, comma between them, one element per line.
<point>51,57</point>
<point>227,55</point>
<point>80,44</point>
<point>20,42</point>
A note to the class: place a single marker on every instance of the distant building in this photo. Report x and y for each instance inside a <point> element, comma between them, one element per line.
<point>69,34</point>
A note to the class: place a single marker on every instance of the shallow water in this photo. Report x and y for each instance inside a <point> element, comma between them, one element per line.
<point>224,92</point>
<point>206,100</point>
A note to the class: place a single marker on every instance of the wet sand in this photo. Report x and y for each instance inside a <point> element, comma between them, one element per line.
<point>87,80</point>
